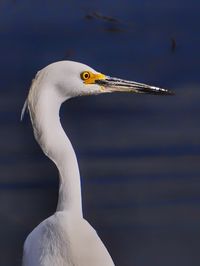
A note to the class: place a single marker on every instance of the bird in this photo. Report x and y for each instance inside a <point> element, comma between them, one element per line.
<point>66,238</point>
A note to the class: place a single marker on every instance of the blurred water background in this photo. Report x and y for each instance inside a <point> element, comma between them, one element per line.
<point>139,155</point>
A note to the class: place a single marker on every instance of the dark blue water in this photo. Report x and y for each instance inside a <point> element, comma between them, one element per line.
<point>139,155</point>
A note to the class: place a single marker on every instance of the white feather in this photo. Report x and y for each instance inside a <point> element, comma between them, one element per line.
<point>65,238</point>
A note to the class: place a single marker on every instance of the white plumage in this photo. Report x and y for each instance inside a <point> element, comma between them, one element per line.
<point>66,238</point>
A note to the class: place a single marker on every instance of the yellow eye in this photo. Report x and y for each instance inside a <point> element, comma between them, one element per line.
<point>85,75</point>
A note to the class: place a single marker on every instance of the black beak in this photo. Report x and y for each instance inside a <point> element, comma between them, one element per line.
<point>119,85</point>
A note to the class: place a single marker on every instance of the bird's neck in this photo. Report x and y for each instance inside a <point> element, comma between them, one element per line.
<point>50,135</point>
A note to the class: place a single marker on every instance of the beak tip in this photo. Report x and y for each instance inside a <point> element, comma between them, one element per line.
<point>156,91</point>
<point>169,93</point>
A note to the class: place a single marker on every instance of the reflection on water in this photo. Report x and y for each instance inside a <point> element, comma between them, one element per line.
<point>138,155</point>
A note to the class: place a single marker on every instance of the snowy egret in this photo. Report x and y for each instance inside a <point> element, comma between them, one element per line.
<point>66,238</point>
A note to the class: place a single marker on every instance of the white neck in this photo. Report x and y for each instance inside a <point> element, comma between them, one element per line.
<point>51,137</point>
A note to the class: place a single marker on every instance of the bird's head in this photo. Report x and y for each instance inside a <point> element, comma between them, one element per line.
<point>66,79</point>
<point>73,79</point>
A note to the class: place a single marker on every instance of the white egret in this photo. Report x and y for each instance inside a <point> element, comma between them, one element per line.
<point>66,238</point>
